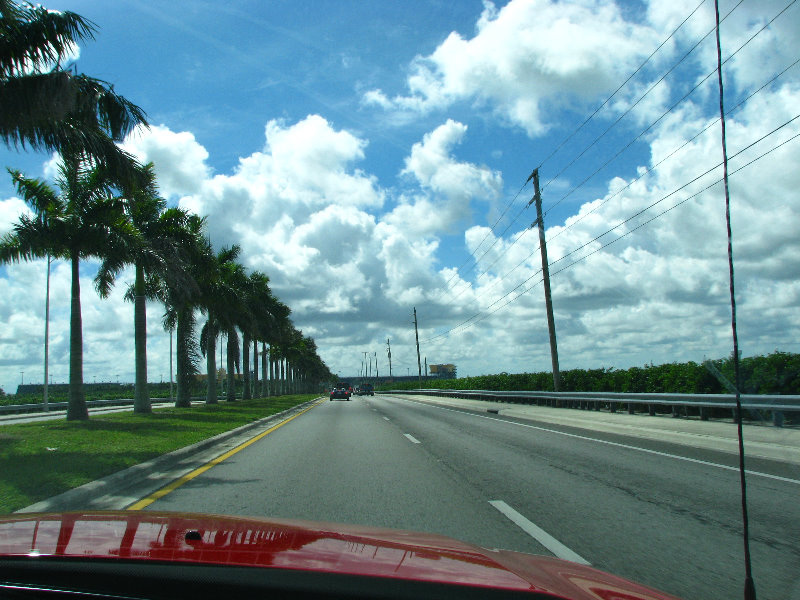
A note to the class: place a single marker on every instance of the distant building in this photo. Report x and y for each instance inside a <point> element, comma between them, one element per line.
<point>442,371</point>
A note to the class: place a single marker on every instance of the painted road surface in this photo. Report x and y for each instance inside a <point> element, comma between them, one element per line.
<point>666,516</point>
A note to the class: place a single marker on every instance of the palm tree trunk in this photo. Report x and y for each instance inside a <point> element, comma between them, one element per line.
<point>183,358</point>
<point>211,364</point>
<point>231,355</point>
<point>141,398</point>
<point>272,379</point>
<point>264,380</point>
<point>76,408</point>
<point>255,370</point>
<point>246,362</point>
<point>270,382</point>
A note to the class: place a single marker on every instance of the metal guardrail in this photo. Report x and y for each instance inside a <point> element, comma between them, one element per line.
<point>11,409</point>
<point>776,404</point>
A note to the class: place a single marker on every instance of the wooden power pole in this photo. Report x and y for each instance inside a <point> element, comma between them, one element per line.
<point>389,349</point>
<point>416,334</point>
<point>551,325</point>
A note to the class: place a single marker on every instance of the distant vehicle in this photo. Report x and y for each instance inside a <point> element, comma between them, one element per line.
<point>341,391</point>
<point>366,389</point>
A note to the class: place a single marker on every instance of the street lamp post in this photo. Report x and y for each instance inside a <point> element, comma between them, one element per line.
<point>46,334</point>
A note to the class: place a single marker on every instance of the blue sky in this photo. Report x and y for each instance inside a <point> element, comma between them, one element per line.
<point>359,152</point>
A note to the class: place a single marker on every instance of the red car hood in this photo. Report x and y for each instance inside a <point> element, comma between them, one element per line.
<point>303,545</point>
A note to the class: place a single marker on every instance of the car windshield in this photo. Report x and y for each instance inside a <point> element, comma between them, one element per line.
<point>518,234</point>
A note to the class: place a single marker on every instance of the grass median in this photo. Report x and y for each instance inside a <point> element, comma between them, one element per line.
<point>41,459</point>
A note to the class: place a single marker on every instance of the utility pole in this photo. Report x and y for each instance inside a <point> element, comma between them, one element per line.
<point>416,335</point>
<point>376,368</point>
<point>389,348</point>
<point>551,325</point>
<point>426,367</point>
<point>365,364</point>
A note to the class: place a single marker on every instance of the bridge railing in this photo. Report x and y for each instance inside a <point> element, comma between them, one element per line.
<point>680,404</point>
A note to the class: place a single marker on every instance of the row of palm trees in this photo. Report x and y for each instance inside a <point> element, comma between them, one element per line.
<point>106,206</point>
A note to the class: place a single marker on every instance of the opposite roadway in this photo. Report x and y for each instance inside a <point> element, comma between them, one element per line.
<point>533,487</point>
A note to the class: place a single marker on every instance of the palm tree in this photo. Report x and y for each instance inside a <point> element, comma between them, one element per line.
<point>181,298</point>
<point>270,331</point>
<point>221,301</point>
<point>47,107</point>
<point>262,310</point>
<point>239,317</point>
<point>250,292</point>
<point>80,222</point>
<point>154,248</point>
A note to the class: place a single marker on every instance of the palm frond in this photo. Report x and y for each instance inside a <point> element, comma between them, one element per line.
<point>37,194</point>
<point>32,37</point>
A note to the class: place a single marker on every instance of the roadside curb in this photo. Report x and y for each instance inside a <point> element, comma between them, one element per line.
<point>92,494</point>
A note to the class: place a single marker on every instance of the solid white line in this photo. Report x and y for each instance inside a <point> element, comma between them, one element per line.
<point>618,445</point>
<point>411,438</point>
<point>539,534</point>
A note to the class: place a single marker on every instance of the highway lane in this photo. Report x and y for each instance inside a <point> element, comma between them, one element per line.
<point>387,461</point>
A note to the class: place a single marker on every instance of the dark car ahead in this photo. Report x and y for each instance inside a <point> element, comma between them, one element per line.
<point>340,392</point>
<point>366,390</point>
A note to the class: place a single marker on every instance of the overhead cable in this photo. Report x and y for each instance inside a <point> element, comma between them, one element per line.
<point>666,112</point>
<point>473,318</point>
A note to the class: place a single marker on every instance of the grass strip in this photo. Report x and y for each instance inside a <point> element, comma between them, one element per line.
<point>41,459</point>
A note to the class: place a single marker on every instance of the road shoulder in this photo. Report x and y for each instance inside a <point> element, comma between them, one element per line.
<point>780,444</point>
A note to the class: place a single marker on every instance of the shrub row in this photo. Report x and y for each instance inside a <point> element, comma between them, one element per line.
<point>776,373</point>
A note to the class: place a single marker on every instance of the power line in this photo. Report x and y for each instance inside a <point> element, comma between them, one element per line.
<point>666,112</point>
<point>473,320</point>
<point>483,314</point>
<point>673,152</point>
<point>624,83</point>
<point>517,239</point>
<point>630,108</point>
<point>589,118</point>
<point>675,191</point>
<point>471,255</point>
<point>628,185</point>
<point>517,216</point>
<point>676,205</point>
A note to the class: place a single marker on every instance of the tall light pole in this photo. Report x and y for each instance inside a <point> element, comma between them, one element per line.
<point>170,365</point>
<point>46,334</point>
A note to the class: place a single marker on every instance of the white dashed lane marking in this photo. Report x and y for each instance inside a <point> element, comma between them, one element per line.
<point>539,534</point>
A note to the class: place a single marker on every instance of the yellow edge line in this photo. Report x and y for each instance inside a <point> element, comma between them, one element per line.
<point>147,501</point>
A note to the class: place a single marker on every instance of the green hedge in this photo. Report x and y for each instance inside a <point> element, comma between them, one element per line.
<point>776,373</point>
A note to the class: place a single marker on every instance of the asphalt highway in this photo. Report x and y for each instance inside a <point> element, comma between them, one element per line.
<point>663,515</point>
